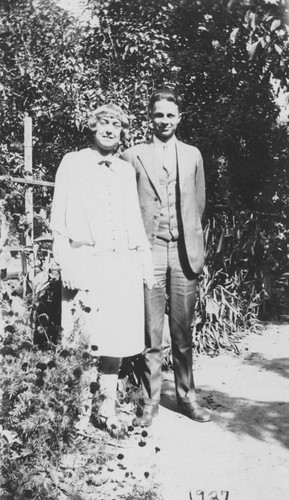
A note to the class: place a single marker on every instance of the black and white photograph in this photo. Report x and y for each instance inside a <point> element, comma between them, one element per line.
<point>144,249</point>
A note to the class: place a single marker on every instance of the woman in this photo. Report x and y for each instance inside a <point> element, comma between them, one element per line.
<point>103,252</point>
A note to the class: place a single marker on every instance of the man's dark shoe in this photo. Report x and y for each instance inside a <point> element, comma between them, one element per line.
<point>195,412</point>
<point>147,416</point>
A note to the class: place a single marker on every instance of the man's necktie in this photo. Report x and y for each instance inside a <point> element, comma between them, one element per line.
<point>166,158</point>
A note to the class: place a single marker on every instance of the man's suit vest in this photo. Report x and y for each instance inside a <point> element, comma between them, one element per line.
<point>170,220</point>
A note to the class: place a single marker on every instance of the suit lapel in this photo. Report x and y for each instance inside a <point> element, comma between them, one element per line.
<point>183,162</point>
<point>148,158</point>
<point>149,161</point>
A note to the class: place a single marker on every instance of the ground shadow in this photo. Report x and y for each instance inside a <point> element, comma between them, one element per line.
<point>276,365</point>
<point>260,420</point>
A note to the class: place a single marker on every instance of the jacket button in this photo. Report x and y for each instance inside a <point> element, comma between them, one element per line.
<point>154,217</point>
<point>156,199</point>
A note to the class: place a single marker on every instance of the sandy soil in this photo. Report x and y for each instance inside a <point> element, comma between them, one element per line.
<point>243,452</point>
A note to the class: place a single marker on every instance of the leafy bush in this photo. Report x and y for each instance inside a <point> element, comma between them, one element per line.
<point>41,399</point>
<point>245,278</point>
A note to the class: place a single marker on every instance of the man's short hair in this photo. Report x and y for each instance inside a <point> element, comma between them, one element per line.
<point>110,109</point>
<point>165,94</point>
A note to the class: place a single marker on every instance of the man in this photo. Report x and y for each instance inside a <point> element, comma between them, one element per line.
<point>171,190</point>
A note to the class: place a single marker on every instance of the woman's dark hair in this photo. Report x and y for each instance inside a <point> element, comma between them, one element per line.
<point>166,94</point>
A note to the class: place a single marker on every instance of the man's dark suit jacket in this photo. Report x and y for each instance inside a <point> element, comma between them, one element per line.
<point>192,194</point>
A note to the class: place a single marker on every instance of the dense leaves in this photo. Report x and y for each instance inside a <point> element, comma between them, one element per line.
<point>55,67</point>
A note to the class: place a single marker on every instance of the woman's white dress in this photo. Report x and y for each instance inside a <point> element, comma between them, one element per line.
<point>96,213</point>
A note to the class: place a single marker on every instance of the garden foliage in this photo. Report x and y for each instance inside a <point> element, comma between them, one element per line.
<point>41,399</point>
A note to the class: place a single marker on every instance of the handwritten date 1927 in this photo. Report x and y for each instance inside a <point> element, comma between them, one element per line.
<point>209,495</point>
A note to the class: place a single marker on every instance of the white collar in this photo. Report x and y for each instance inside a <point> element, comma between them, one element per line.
<point>158,144</point>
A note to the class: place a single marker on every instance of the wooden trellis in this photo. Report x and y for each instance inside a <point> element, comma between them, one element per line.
<point>29,182</point>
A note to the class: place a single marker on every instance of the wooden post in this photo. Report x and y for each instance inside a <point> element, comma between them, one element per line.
<point>28,170</point>
<point>29,191</point>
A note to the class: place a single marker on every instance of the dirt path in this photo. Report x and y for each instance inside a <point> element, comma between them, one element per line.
<point>244,450</point>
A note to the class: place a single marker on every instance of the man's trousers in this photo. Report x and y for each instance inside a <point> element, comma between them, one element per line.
<point>177,283</point>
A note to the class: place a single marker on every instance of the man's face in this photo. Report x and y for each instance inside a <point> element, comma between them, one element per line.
<point>107,133</point>
<point>165,118</point>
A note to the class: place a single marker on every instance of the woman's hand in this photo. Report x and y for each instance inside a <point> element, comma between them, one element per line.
<point>147,269</point>
<point>150,282</point>
<point>65,258</point>
<point>69,280</point>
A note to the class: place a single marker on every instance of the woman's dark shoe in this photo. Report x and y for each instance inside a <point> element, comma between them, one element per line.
<point>113,425</point>
<point>195,412</point>
<point>147,416</point>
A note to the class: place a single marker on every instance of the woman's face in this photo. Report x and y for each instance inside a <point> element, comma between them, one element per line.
<point>107,133</point>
